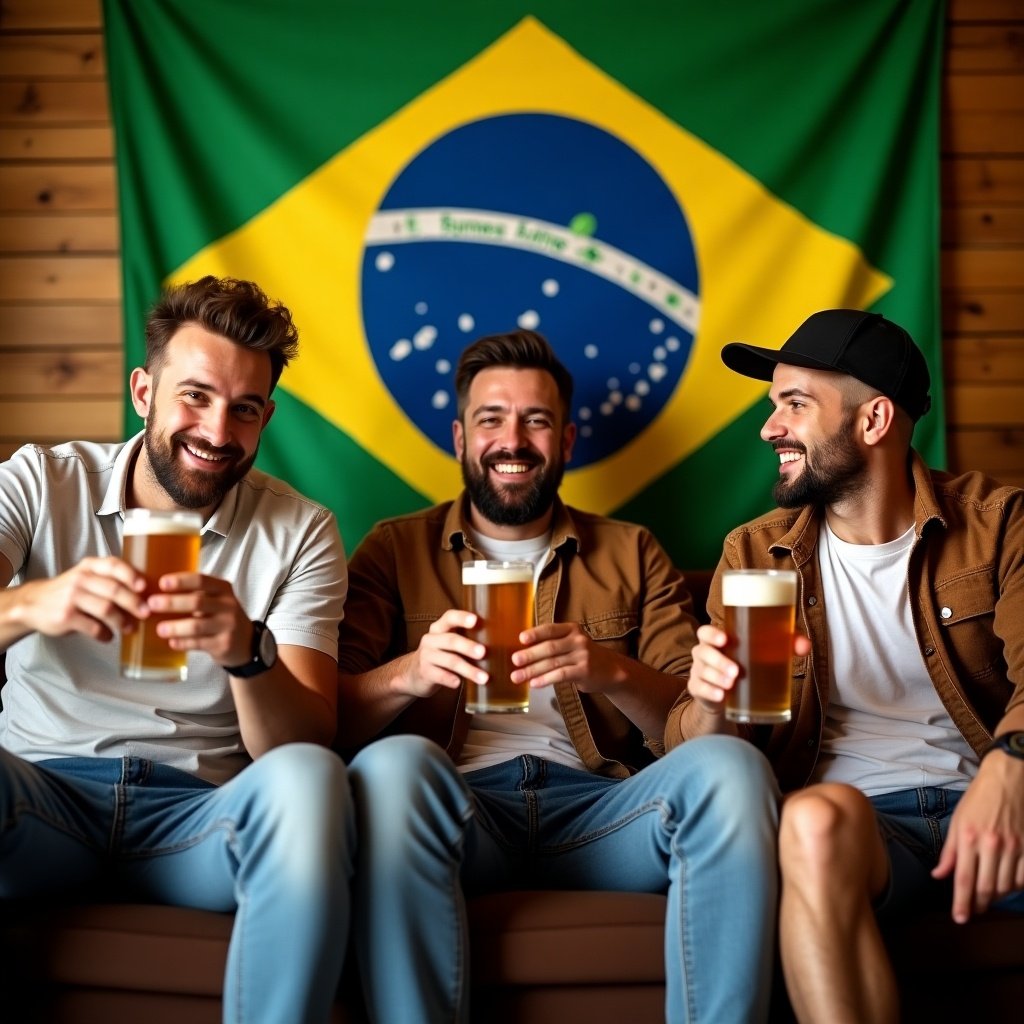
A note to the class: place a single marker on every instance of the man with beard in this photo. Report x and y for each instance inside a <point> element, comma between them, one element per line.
<point>185,793</point>
<point>573,794</point>
<point>908,711</point>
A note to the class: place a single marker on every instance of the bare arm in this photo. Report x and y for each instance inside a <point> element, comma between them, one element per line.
<point>99,597</point>
<point>562,652</point>
<point>984,850</point>
<point>295,701</point>
<point>371,700</point>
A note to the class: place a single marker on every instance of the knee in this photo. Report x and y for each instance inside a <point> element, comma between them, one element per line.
<point>303,783</point>
<point>728,770</point>
<point>401,780</point>
<point>820,826</point>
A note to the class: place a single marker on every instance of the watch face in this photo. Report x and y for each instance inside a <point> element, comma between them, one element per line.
<point>1015,741</point>
<point>268,647</point>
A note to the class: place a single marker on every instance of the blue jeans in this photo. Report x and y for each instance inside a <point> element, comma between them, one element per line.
<point>699,824</point>
<point>274,844</point>
<point>914,824</point>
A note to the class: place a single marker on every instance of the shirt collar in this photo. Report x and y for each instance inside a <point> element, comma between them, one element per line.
<point>113,502</point>
<point>455,534</point>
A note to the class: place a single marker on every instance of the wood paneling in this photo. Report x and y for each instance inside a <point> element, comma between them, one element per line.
<point>61,335</point>
<point>32,233</point>
<point>52,56</point>
<point>60,325</point>
<point>68,278</point>
<point>82,373</point>
<point>57,187</point>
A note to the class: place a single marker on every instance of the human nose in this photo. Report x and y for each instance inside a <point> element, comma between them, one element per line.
<point>773,427</point>
<point>513,434</point>
<point>215,426</point>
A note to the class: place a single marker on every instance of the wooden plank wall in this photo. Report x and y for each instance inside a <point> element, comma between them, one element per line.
<point>61,359</point>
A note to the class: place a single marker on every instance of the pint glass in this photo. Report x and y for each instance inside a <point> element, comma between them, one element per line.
<point>760,609</point>
<point>156,543</point>
<point>501,596</point>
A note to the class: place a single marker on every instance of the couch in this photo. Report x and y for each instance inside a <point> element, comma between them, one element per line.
<point>537,957</point>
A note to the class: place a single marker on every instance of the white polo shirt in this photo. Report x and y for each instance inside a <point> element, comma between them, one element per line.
<point>281,552</point>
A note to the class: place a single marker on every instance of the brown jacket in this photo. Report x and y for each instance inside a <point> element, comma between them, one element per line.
<point>613,578</point>
<point>966,581</point>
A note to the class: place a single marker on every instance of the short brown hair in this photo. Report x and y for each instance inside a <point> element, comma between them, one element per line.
<point>521,350</point>
<point>238,310</point>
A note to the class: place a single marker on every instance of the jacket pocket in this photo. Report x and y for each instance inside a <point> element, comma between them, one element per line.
<point>619,631</point>
<point>965,611</point>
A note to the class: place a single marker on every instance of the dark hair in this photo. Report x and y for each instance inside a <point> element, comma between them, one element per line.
<point>238,310</point>
<point>523,350</point>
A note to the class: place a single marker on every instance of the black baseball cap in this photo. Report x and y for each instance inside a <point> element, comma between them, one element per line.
<point>864,345</point>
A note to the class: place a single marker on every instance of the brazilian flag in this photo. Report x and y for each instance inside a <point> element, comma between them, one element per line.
<point>642,183</point>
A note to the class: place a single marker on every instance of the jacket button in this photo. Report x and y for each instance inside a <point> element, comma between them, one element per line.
<point>946,613</point>
<point>812,600</point>
<point>929,651</point>
<point>810,743</point>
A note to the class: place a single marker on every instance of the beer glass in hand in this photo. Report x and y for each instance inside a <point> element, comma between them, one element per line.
<point>156,543</point>
<point>760,611</point>
<point>501,596</point>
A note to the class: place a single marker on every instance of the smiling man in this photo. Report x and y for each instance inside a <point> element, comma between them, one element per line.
<point>908,709</point>
<point>191,792</point>
<point>574,794</point>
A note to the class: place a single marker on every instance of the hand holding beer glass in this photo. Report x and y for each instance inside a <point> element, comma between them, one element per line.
<point>157,543</point>
<point>760,614</point>
<point>500,594</point>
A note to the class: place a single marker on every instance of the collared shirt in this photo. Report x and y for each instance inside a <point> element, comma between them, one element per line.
<point>613,578</point>
<point>64,697</point>
<point>966,586</point>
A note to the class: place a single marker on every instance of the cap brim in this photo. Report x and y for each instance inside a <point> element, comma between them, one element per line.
<point>760,363</point>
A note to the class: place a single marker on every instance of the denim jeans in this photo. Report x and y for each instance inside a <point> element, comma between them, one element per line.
<point>914,824</point>
<point>699,824</point>
<point>274,844</point>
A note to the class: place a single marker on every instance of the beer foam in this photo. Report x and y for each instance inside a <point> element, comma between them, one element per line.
<point>145,526</point>
<point>496,572</point>
<point>758,590</point>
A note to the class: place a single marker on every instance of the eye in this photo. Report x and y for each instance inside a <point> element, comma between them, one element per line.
<point>247,412</point>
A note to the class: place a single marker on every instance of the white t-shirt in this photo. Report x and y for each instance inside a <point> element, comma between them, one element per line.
<point>885,726</point>
<point>64,696</point>
<point>494,738</point>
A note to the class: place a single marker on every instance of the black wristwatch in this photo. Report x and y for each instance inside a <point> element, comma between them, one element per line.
<point>1011,743</point>
<point>264,653</point>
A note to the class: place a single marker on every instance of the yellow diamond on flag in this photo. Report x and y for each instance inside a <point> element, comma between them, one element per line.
<point>762,268</point>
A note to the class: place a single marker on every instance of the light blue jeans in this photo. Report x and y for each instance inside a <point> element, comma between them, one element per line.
<point>914,824</point>
<point>699,824</point>
<point>274,844</point>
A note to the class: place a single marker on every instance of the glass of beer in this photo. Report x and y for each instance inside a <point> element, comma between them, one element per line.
<point>157,543</point>
<point>501,596</point>
<point>760,613</point>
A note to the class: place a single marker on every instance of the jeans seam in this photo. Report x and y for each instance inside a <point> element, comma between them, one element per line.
<point>613,826</point>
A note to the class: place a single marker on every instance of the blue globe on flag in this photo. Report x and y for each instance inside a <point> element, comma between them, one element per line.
<point>542,222</point>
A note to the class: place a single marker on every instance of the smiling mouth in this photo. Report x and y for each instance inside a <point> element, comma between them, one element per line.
<point>212,458</point>
<point>511,468</point>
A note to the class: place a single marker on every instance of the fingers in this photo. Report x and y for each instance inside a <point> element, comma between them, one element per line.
<point>554,653</point>
<point>712,673</point>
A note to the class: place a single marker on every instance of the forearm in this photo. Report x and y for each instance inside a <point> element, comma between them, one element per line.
<point>690,719</point>
<point>293,702</point>
<point>368,702</point>
<point>643,694</point>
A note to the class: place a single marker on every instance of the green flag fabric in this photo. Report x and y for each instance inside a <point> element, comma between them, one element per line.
<point>641,184</point>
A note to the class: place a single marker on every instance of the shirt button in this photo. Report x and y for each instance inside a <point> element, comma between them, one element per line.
<point>946,613</point>
<point>812,600</point>
<point>810,743</point>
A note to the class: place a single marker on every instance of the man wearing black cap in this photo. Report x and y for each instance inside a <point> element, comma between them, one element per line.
<point>908,706</point>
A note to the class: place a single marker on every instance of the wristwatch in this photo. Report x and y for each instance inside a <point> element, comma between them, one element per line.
<point>1011,743</point>
<point>264,653</point>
